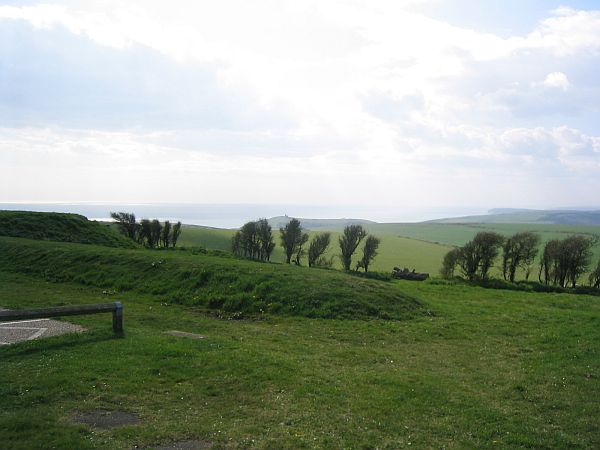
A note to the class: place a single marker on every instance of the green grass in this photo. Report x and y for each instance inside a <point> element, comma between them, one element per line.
<point>223,284</point>
<point>207,237</point>
<point>61,227</point>
<point>492,369</point>
<point>394,249</point>
<point>459,234</point>
<point>530,216</point>
<point>421,246</point>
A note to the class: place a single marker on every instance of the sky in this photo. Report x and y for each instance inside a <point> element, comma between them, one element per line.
<point>387,103</point>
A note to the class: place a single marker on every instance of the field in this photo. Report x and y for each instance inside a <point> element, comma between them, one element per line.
<point>394,250</point>
<point>291,357</point>
<point>488,369</point>
<point>414,245</point>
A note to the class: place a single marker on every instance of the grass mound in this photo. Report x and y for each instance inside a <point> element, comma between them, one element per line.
<point>221,283</point>
<point>60,227</point>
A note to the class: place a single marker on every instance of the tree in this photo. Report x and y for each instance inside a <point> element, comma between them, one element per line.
<point>254,240</point>
<point>578,251</point>
<point>175,234</point>
<point>126,223</point>
<point>300,252</point>
<point>150,233</point>
<point>530,251</point>
<point>236,244</point>
<point>468,260</point>
<point>145,236</point>
<point>519,251</point>
<point>318,246</point>
<point>156,232</point>
<point>594,277</point>
<point>265,239</point>
<point>292,239</point>
<point>565,261</point>
<point>249,240</point>
<point>449,263</point>
<point>166,235</point>
<point>549,262</point>
<point>369,252</point>
<point>476,257</point>
<point>488,246</point>
<point>349,242</point>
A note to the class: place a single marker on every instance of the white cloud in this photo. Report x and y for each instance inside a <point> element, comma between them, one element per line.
<point>365,87</point>
<point>568,31</point>
<point>557,80</point>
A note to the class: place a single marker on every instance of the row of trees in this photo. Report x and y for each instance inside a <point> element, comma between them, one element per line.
<point>562,262</point>
<point>150,233</point>
<point>255,240</point>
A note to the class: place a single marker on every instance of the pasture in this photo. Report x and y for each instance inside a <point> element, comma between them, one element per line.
<point>230,353</point>
<point>414,245</point>
<point>485,369</point>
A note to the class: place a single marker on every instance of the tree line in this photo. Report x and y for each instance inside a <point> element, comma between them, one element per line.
<point>255,240</point>
<point>562,261</point>
<point>150,233</point>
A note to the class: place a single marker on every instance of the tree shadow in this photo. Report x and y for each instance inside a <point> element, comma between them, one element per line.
<point>54,343</point>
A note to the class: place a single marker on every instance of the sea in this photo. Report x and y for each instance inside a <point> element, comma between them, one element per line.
<point>235,215</point>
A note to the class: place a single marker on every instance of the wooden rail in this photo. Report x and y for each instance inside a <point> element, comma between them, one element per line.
<point>59,311</point>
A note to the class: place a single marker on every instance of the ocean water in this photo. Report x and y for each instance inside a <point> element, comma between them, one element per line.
<point>234,216</point>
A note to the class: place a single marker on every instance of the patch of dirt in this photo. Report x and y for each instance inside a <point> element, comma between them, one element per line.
<point>184,445</point>
<point>185,334</point>
<point>102,418</point>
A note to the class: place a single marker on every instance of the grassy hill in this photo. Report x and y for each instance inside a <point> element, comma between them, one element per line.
<point>564,217</point>
<point>223,284</point>
<point>395,250</point>
<point>415,245</point>
<point>60,227</point>
<point>319,224</point>
<point>491,369</point>
<point>472,368</point>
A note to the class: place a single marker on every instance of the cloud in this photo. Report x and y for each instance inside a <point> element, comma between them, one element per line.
<point>51,77</point>
<point>557,80</point>
<point>567,31</point>
<point>287,94</point>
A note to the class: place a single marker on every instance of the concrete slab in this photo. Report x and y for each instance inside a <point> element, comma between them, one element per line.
<point>26,330</point>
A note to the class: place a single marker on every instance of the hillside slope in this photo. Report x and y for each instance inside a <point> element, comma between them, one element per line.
<point>528,216</point>
<point>61,227</point>
<point>219,283</point>
<point>319,224</point>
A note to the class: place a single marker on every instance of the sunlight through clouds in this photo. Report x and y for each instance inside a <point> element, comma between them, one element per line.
<point>296,92</point>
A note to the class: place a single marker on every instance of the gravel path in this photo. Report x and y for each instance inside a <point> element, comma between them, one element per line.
<point>26,330</point>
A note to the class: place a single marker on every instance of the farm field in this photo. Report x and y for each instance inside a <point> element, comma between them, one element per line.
<point>483,368</point>
<point>393,251</point>
<point>414,245</point>
<point>459,234</point>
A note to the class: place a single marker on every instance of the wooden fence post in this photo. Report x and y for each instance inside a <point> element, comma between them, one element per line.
<point>118,318</point>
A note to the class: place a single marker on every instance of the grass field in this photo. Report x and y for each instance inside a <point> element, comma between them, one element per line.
<point>221,284</point>
<point>490,369</point>
<point>414,245</point>
<point>394,250</point>
<point>459,234</point>
<point>315,358</point>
